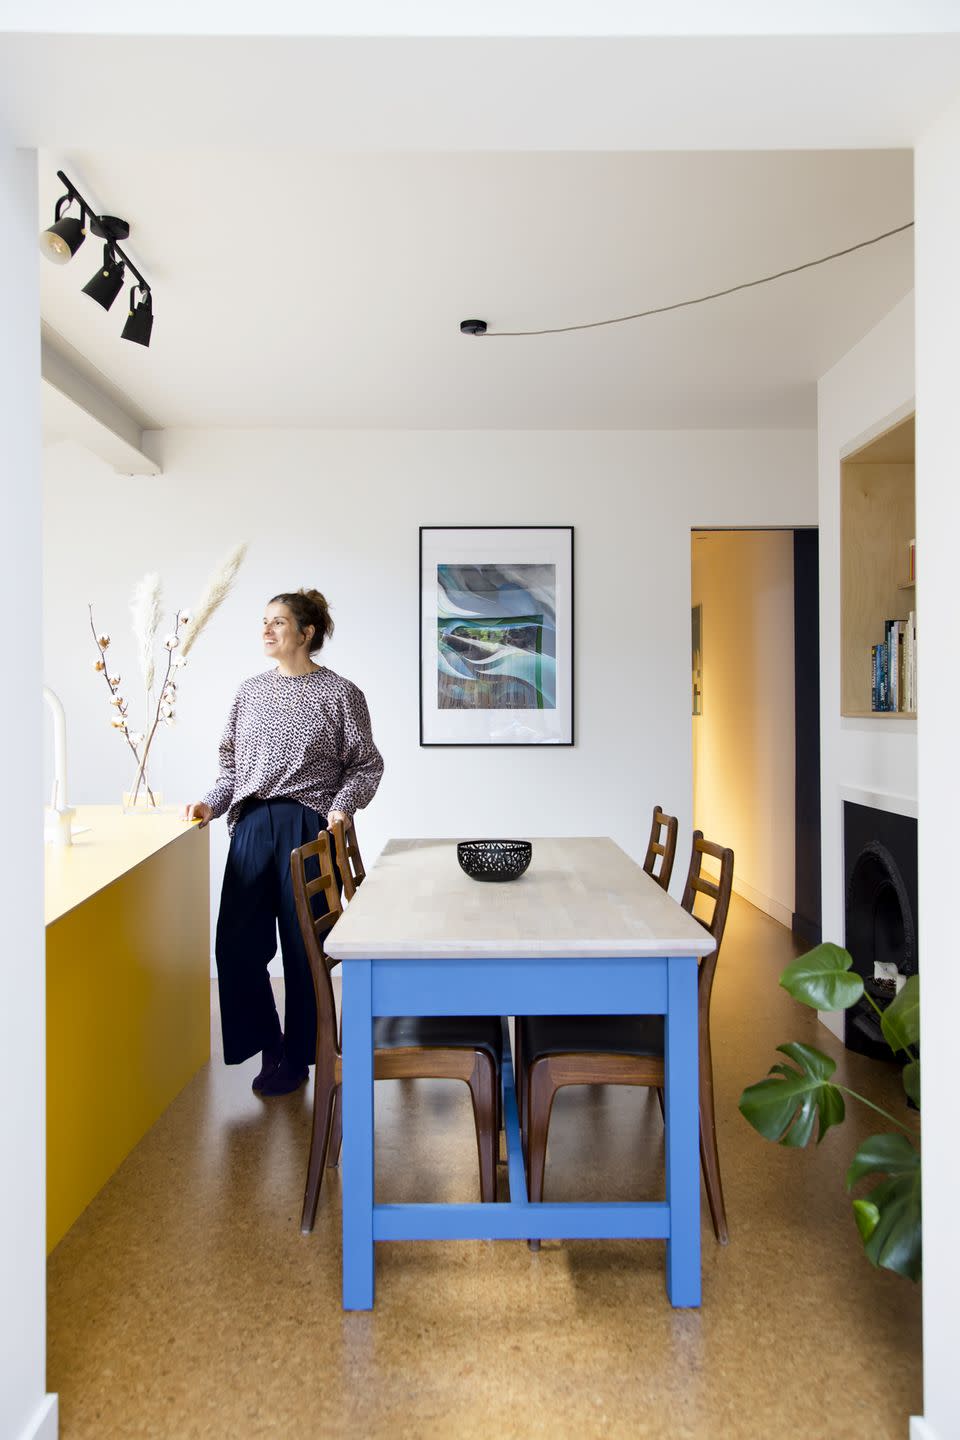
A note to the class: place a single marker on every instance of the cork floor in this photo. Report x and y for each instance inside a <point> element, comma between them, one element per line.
<point>185,1303</point>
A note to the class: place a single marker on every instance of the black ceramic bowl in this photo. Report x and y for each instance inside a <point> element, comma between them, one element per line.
<point>494,859</point>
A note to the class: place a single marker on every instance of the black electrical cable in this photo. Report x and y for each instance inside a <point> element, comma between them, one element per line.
<point>701,299</point>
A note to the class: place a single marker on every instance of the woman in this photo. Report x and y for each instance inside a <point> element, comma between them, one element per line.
<point>297,755</point>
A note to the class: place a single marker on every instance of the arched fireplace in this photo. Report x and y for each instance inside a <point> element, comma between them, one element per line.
<point>880,851</point>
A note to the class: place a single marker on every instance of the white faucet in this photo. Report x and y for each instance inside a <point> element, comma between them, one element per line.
<point>58,814</point>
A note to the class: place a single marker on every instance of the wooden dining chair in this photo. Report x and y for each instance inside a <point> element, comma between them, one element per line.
<point>665,848</point>
<point>558,1050</point>
<point>662,846</point>
<point>347,853</point>
<point>467,1048</point>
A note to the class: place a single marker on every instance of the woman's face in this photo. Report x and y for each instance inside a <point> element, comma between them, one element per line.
<point>282,640</point>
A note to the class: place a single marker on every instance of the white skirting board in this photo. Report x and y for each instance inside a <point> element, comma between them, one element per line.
<point>44,1423</point>
<point>920,1430</point>
<point>763,902</point>
<point>833,1019</point>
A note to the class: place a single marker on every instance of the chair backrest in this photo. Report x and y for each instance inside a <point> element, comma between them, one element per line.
<point>666,847</point>
<point>349,861</point>
<point>318,857</point>
<point>719,891</point>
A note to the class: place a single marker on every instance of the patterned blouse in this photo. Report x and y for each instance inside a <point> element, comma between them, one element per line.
<point>297,737</point>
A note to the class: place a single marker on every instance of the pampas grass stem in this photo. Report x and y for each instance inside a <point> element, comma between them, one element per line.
<point>213,597</point>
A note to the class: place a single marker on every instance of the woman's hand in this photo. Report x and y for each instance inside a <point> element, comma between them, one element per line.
<point>198,811</point>
<point>335,816</point>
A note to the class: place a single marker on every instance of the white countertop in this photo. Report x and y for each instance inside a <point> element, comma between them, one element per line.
<point>580,898</point>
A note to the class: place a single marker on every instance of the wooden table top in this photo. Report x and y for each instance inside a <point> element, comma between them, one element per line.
<point>580,898</point>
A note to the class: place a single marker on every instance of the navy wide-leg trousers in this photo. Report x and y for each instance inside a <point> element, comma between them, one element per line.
<point>256,903</point>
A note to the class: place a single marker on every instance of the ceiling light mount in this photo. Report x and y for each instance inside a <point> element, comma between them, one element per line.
<point>109,227</point>
<point>61,241</point>
<point>473,327</point>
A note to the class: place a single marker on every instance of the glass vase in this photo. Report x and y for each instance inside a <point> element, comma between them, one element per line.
<point>142,795</point>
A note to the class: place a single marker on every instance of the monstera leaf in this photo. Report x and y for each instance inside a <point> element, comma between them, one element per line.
<point>786,1108</point>
<point>788,1104</point>
<point>822,979</point>
<point>900,1021</point>
<point>888,1218</point>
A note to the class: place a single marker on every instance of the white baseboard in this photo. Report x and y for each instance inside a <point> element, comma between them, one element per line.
<point>770,907</point>
<point>44,1423</point>
<point>920,1430</point>
<point>833,1019</point>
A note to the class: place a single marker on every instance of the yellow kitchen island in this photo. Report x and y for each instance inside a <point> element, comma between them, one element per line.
<point>128,991</point>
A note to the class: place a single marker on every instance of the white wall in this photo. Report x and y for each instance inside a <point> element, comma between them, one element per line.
<point>873,382</point>
<point>938,528</point>
<point>25,1410</point>
<point>341,510</point>
<point>745,741</point>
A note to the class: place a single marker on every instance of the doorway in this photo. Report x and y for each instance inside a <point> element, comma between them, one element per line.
<point>755,703</point>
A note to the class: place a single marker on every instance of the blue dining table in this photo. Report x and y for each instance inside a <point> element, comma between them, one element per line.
<point>583,931</point>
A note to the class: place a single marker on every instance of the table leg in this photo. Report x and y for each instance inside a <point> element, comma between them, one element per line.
<point>682,1132</point>
<point>357,1164</point>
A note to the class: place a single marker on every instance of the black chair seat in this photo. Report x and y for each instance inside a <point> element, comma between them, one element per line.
<point>591,1035</point>
<point>453,1032</point>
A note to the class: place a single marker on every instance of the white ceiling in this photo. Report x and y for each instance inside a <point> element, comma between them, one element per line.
<point>318,209</point>
<point>302,288</point>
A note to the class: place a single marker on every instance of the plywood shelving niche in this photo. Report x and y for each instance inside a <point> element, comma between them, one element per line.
<point>878,521</point>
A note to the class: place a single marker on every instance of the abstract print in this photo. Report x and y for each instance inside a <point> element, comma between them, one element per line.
<point>496,637</point>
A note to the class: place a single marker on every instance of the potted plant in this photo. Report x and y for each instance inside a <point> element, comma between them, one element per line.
<point>799,1097</point>
<point>160,708</point>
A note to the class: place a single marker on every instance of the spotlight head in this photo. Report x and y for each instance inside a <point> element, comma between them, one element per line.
<point>473,327</point>
<point>105,286</point>
<point>140,320</point>
<point>61,241</point>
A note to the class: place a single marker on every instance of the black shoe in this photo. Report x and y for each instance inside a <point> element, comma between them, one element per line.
<point>271,1058</point>
<point>284,1079</point>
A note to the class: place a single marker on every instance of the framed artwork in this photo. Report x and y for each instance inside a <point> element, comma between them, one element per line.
<point>496,635</point>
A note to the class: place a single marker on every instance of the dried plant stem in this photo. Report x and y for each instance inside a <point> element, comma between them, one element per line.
<point>213,597</point>
<point>125,733</point>
<point>145,613</point>
<point>156,719</point>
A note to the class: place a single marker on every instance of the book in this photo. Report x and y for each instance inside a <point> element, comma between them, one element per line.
<point>884,659</point>
<point>874,677</point>
<point>894,666</point>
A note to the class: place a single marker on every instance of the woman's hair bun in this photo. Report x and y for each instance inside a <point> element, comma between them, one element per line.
<point>309,607</point>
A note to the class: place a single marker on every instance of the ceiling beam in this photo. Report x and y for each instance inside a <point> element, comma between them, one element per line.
<point>76,409</point>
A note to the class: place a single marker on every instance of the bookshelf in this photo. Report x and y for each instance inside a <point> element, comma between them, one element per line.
<point>877,524</point>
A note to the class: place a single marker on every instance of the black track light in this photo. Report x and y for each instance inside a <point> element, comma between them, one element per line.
<point>61,241</point>
<point>105,286</point>
<point>64,238</point>
<point>140,320</point>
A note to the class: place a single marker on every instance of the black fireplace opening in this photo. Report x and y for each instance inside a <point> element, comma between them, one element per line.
<point>880,860</point>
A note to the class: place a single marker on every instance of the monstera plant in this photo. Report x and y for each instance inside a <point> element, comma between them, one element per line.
<point>801,1096</point>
